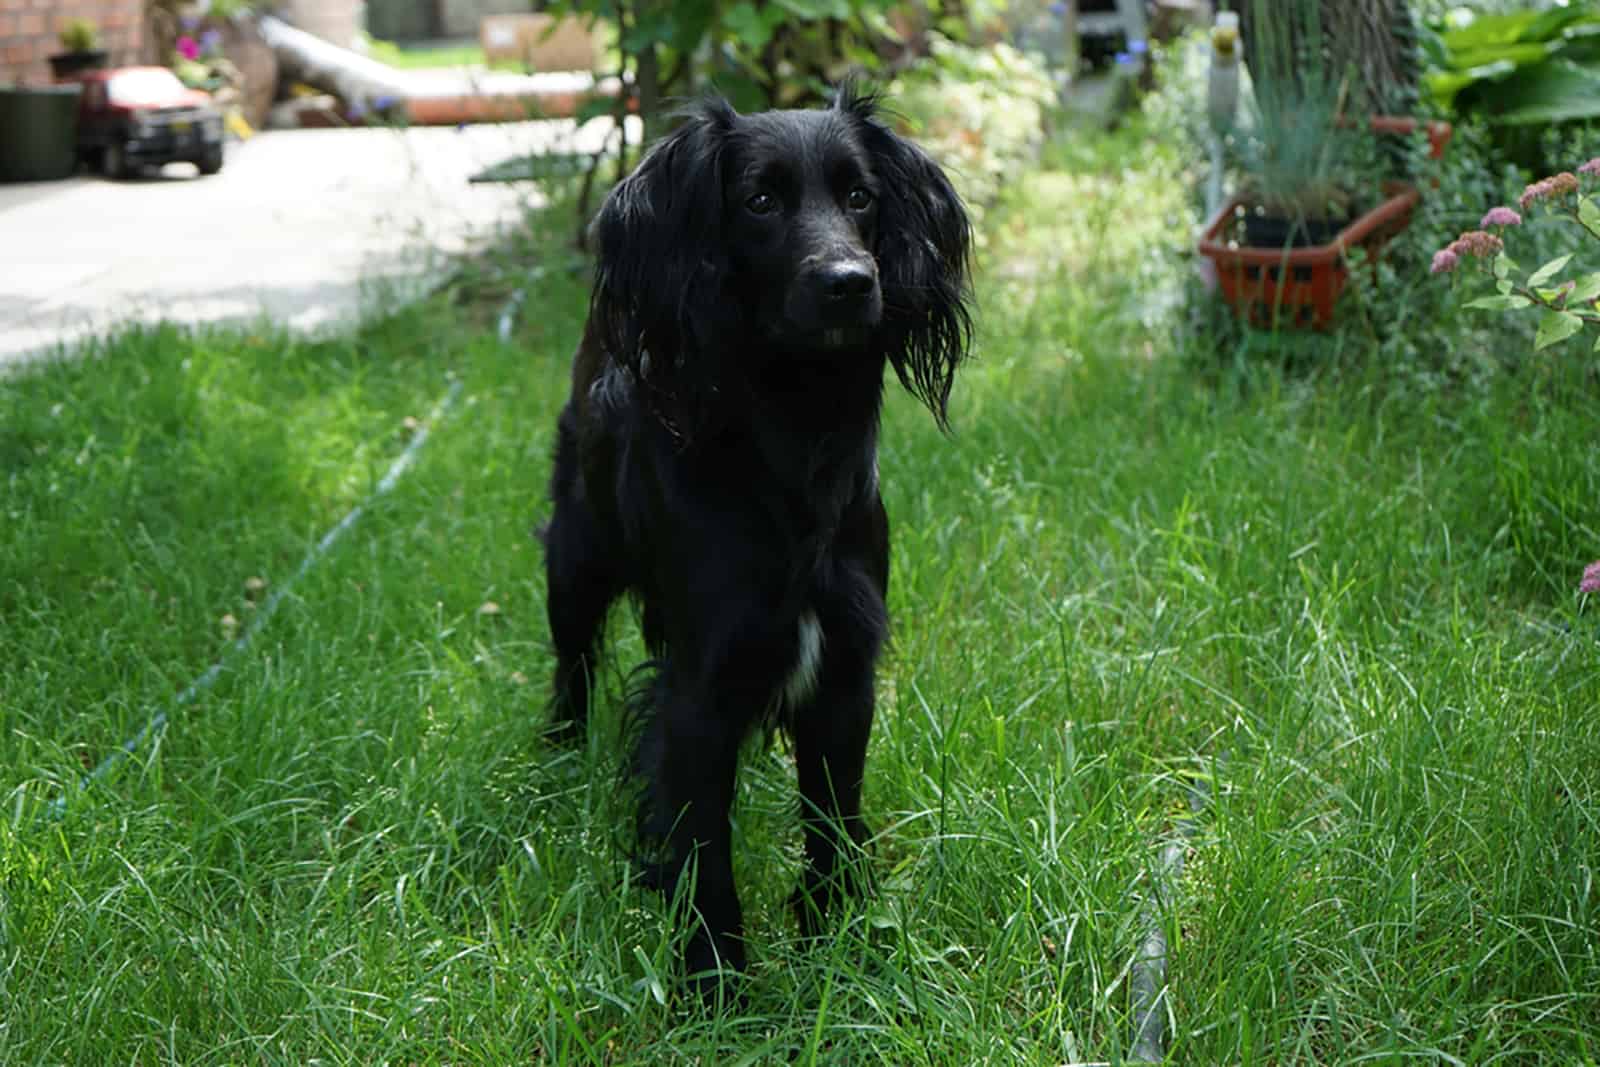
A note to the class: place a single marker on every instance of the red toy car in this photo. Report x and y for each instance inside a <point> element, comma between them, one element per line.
<point>133,117</point>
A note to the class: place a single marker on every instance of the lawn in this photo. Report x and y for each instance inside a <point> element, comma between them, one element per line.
<point>1337,603</point>
<point>431,56</point>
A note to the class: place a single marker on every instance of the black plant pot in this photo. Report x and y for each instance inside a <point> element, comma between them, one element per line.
<point>38,133</point>
<point>65,65</point>
<point>1271,231</point>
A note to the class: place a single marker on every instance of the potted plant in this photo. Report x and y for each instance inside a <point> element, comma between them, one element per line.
<point>1312,185</point>
<point>80,41</point>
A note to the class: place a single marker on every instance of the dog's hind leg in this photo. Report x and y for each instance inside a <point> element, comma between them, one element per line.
<point>581,584</point>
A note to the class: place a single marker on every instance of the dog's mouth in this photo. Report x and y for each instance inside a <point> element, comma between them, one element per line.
<point>838,337</point>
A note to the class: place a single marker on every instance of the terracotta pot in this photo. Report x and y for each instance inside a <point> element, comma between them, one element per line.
<point>1298,286</point>
<point>1275,285</point>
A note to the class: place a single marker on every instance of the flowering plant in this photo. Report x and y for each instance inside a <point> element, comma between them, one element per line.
<point>200,62</point>
<point>1566,306</point>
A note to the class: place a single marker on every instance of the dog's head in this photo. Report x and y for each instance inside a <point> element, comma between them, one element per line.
<point>784,235</point>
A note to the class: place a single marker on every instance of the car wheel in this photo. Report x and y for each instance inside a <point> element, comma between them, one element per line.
<point>211,161</point>
<point>114,161</point>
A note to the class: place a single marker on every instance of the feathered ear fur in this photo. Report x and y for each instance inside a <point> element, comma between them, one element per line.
<point>924,257</point>
<point>661,262</point>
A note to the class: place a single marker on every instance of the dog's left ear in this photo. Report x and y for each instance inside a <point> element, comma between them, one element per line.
<point>924,253</point>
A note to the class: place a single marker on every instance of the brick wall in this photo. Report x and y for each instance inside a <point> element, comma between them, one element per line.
<point>29,29</point>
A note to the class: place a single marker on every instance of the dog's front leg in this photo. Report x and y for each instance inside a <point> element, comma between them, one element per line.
<point>693,783</point>
<point>830,746</point>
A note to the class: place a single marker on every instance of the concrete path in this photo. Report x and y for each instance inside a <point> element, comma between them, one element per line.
<point>301,226</point>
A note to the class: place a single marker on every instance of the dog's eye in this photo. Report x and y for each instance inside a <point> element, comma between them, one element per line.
<point>762,204</point>
<point>860,198</point>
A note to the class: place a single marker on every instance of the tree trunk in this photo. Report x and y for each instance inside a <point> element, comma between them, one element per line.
<point>1374,38</point>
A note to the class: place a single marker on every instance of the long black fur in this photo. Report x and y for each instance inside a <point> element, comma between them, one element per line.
<point>718,459</point>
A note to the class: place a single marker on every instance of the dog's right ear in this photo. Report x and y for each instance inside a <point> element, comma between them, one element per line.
<point>661,267</point>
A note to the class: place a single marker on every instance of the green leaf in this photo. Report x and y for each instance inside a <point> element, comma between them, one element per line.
<point>1504,285</point>
<point>1489,31</point>
<point>1445,84</point>
<point>747,23</point>
<point>1556,326</point>
<point>1589,215</point>
<point>1557,90</point>
<point>1522,27</point>
<point>1548,271</point>
<point>812,10</point>
<point>1500,303</point>
<point>1503,266</point>
<point>1508,56</point>
<point>594,107</point>
<point>648,29</point>
<point>1586,290</point>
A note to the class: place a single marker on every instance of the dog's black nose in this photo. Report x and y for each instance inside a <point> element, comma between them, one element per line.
<point>846,280</point>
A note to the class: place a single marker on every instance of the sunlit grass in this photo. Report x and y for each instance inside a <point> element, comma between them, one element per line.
<point>435,56</point>
<point>1345,604</point>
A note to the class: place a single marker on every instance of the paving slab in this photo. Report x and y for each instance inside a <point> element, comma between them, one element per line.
<point>303,227</point>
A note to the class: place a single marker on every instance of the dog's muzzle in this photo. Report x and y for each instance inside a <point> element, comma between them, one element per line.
<point>837,299</point>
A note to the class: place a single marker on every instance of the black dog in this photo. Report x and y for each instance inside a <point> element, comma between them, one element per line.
<point>718,458</point>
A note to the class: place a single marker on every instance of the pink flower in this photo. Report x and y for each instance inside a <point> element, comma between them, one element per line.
<point>1444,261</point>
<point>1501,216</point>
<point>1591,168</point>
<point>188,47</point>
<point>1591,578</point>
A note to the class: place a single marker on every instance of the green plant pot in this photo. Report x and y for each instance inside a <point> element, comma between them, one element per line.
<point>38,133</point>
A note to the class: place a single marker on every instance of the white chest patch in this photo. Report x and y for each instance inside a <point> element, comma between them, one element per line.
<point>802,680</point>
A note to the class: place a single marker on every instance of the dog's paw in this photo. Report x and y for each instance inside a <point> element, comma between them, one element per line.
<point>810,911</point>
<point>564,732</point>
<point>818,897</point>
<point>714,968</point>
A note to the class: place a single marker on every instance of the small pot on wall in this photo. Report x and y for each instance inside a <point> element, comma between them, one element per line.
<point>67,65</point>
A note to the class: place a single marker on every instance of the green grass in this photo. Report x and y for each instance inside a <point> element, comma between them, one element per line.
<point>435,56</point>
<point>1343,601</point>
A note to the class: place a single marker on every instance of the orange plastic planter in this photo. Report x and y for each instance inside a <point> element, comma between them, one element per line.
<point>1299,286</point>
